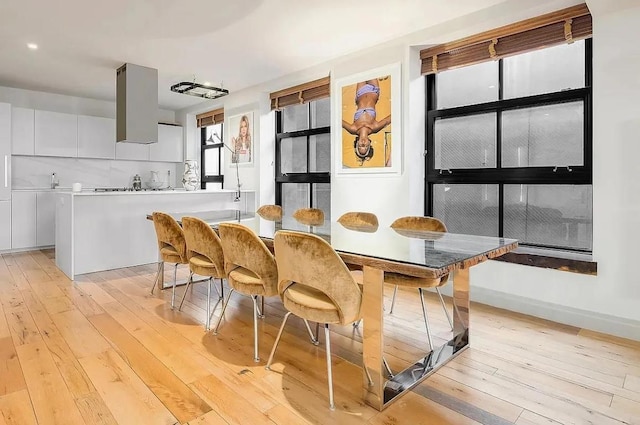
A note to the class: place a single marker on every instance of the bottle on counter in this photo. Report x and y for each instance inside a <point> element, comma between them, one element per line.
<point>137,182</point>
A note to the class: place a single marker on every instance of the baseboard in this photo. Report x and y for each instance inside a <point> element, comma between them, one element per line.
<point>612,325</point>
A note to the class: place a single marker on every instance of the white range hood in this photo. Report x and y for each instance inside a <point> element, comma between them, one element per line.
<point>136,104</point>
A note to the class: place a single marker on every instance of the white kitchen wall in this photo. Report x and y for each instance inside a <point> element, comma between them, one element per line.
<point>34,172</point>
<point>607,302</point>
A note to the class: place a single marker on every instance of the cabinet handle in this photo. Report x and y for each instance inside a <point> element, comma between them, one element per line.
<point>6,171</point>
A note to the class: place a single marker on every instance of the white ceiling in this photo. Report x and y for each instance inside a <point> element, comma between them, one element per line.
<point>238,42</point>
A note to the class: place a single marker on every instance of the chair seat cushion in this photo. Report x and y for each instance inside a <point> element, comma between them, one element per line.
<point>247,282</point>
<point>170,255</point>
<point>414,282</point>
<point>199,264</point>
<point>311,304</point>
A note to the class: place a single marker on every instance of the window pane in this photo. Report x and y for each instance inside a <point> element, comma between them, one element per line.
<point>543,136</point>
<point>322,198</point>
<point>320,113</point>
<point>294,196</point>
<point>211,132</point>
<point>295,117</point>
<point>320,153</point>
<point>468,85</point>
<point>550,215</point>
<point>467,208</point>
<point>211,164</point>
<point>293,155</point>
<point>466,142</point>
<point>544,71</point>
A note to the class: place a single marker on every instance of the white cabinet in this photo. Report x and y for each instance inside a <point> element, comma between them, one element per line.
<point>5,225</point>
<point>23,220</point>
<point>170,146</point>
<point>56,134</point>
<point>45,218</point>
<point>96,137</point>
<point>5,152</point>
<point>22,131</point>
<point>135,151</point>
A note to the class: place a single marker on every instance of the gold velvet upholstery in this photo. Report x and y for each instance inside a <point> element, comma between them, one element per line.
<point>359,221</point>
<point>314,282</point>
<point>309,216</point>
<point>171,242</point>
<point>270,212</point>
<point>204,249</point>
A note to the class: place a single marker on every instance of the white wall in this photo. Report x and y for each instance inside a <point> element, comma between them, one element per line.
<point>608,302</point>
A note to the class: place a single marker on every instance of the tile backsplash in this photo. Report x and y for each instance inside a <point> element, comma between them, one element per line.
<point>31,172</point>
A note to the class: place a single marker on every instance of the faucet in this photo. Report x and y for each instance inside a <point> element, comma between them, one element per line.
<point>54,181</point>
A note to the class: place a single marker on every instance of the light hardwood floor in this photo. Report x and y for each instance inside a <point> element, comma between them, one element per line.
<point>103,350</point>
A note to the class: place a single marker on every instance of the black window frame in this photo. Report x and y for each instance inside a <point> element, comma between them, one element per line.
<point>309,177</point>
<point>574,175</point>
<point>219,178</point>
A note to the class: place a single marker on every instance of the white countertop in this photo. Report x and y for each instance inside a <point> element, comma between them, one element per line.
<point>149,192</point>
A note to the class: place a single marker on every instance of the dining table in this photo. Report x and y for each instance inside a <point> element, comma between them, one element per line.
<point>424,254</point>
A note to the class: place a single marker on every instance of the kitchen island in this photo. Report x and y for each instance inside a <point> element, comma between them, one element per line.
<point>98,231</point>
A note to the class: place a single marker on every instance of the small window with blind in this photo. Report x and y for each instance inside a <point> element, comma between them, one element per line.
<point>509,133</point>
<point>303,147</point>
<point>211,149</point>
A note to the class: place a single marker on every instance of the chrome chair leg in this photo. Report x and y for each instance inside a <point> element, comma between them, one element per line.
<point>444,307</point>
<point>357,323</point>
<point>256,358</point>
<point>261,307</point>
<point>314,339</point>
<point>426,319</point>
<point>277,341</point>
<point>327,343</point>
<point>186,288</point>
<point>173,292</point>
<point>224,307</point>
<point>220,299</point>
<point>387,368</point>
<point>393,299</point>
<point>157,279</point>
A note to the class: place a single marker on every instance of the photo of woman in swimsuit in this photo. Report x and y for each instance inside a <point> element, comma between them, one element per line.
<point>372,114</point>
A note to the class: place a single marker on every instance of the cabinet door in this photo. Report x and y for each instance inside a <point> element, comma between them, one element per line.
<point>22,131</point>
<point>45,218</point>
<point>96,137</point>
<point>5,152</point>
<point>23,220</point>
<point>135,151</point>
<point>169,147</point>
<point>56,134</point>
<point>5,225</point>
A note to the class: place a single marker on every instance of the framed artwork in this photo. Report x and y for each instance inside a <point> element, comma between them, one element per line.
<point>240,138</point>
<point>368,121</point>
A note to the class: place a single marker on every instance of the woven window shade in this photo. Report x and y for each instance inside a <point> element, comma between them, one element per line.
<point>563,26</point>
<point>302,93</point>
<point>209,118</point>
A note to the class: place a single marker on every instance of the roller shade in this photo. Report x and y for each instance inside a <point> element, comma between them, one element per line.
<point>209,118</point>
<point>562,26</point>
<point>302,93</point>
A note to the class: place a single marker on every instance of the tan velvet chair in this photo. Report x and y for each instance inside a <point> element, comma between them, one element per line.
<point>309,216</point>
<point>409,224</point>
<point>314,284</point>
<point>250,269</point>
<point>359,221</point>
<point>270,212</point>
<point>204,251</point>
<point>172,247</point>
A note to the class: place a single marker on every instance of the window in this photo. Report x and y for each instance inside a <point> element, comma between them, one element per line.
<point>509,148</point>
<point>303,157</point>
<point>212,156</point>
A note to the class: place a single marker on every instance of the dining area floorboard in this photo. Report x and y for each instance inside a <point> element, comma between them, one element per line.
<point>103,350</point>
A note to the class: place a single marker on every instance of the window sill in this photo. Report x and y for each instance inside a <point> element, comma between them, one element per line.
<point>552,259</point>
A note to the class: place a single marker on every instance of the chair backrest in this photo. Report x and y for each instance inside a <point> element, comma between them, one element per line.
<point>309,260</point>
<point>202,239</point>
<point>243,248</point>
<point>309,216</point>
<point>270,212</point>
<point>169,233</point>
<point>357,220</point>
<point>419,223</point>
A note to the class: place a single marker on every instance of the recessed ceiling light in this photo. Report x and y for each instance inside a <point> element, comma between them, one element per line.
<point>32,46</point>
